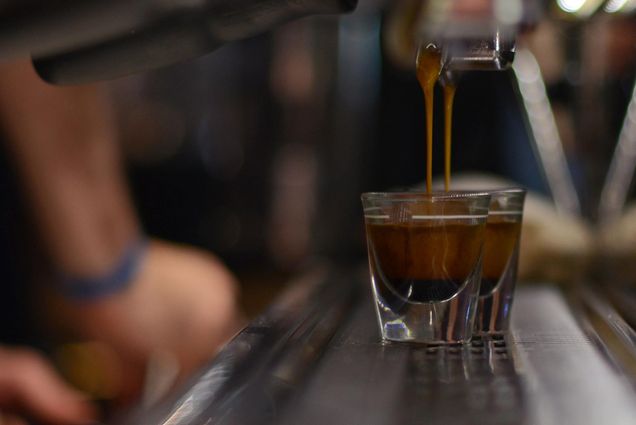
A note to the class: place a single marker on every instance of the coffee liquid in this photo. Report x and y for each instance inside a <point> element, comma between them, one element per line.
<point>501,240</point>
<point>449,98</point>
<point>422,262</point>
<point>429,64</point>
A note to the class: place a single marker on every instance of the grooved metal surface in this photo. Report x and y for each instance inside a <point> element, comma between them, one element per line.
<point>363,381</point>
<point>568,379</point>
<point>316,358</point>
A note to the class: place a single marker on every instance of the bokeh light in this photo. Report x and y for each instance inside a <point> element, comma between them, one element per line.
<point>571,6</point>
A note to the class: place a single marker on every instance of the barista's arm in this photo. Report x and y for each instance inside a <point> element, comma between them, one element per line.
<point>179,301</point>
<point>62,140</point>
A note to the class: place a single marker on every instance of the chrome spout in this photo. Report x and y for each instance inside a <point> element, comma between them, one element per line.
<point>472,35</point>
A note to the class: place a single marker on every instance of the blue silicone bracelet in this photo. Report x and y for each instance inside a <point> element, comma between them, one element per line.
<point>112,282</point>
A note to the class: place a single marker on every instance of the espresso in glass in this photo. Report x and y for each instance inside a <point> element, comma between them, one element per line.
<point>502,238</point>
<point>425,253</point>
<point>425,261</point>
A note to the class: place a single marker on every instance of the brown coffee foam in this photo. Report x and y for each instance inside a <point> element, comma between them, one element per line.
<point>426,250</point>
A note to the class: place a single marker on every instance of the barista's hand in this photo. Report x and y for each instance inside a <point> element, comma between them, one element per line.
<point>29,387</point>
<point>182,303</point>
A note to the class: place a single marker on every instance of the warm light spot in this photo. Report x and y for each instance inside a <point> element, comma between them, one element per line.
<point>571,6</point>
<point>614,6</point>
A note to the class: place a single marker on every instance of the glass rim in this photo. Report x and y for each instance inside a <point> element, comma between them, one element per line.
<point>426,196</point>
<point>508,190</point>
<point>507,201</point>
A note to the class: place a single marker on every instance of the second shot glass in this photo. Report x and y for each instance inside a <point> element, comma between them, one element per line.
<point>500,263</point>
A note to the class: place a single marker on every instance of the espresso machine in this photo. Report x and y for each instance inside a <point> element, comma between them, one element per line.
<point>75,42</point>
<point>315,356</point>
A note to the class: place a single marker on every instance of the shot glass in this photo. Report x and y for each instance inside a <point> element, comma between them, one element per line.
<point>501,257</point>
<point>425,253</point>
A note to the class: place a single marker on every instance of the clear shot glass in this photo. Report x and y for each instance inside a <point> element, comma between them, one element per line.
<point>425,253</point>
<point>501,257</point>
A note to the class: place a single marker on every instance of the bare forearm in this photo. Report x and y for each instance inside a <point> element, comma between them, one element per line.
<point>64,144</point>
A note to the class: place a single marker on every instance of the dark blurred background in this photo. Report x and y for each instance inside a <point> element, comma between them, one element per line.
<point>259,151</point>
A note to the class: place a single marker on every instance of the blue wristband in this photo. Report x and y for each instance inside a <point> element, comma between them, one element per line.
<point>112,282</point>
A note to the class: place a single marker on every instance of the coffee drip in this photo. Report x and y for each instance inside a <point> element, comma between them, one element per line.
<point>429,69</point>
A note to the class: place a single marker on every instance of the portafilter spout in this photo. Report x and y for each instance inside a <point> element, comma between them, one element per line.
<point>472,35</point>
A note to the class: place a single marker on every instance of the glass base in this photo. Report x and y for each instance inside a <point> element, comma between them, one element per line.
<point>445,322</point>
<point>493,311</point>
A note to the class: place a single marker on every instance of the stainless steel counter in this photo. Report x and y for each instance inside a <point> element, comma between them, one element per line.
<point>315,358</point>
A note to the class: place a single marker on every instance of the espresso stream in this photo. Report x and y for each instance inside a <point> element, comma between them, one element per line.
<point>429,65</point>
<point>449,98</point>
